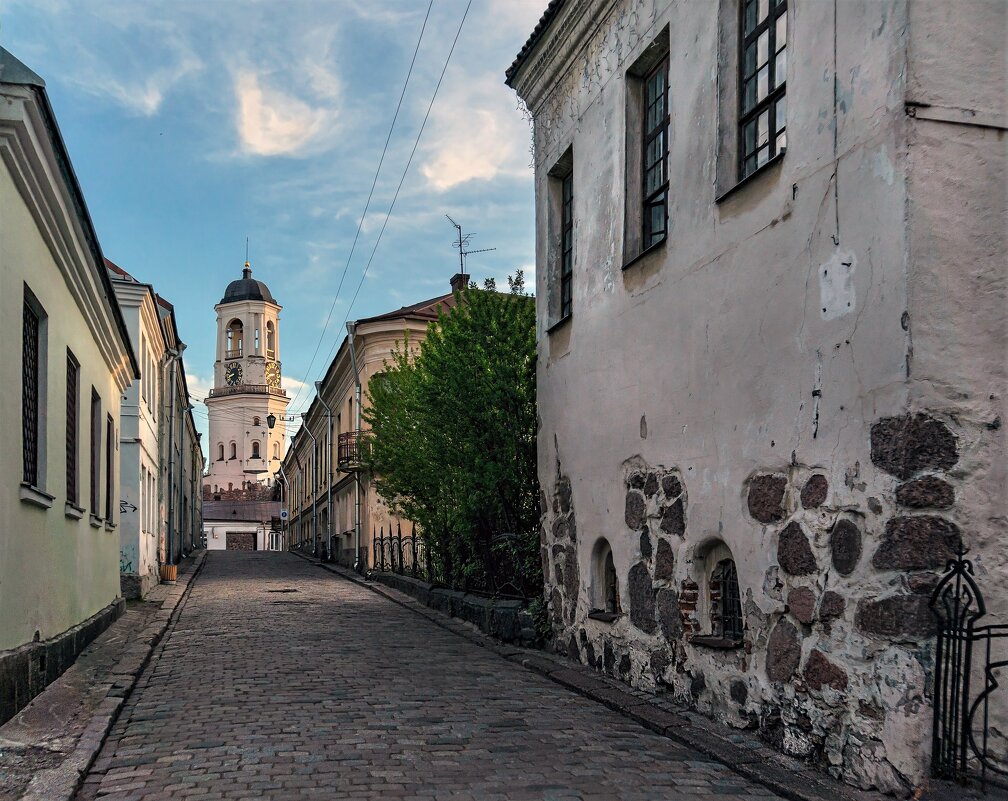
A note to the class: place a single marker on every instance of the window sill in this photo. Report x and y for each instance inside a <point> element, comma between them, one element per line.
<point>716,643</point>
<point>777,159</point>
<point>603,617</point>
<point>110,526</point>
<point>559,324</point>
<point>645,253</point>
<point>96,522</point>
<point>73,511</point>
<point>36,497</point>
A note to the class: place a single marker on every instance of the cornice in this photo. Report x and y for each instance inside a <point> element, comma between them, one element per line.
<point>31,161</point>
<point>553,54</point>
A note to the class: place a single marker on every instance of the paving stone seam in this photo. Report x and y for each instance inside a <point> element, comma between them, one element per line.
<point>793,784</point>
<point>98,728</point>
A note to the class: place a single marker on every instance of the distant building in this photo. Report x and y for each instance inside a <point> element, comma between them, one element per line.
<point>249,522</point>
<point>243,449</point>
<point>161,457</point>
<point>65,364</point>
<point>322,469</point>
<point>771,291</point>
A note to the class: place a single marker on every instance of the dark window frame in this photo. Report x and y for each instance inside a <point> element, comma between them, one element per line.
<point>96,438</point>
<point>658,196</point>
<point>72,429</point>
<point>31,386</point>
<point>109,465</point>
<point>567,245</point>
<point>749,160</point>
<point>726,602</point>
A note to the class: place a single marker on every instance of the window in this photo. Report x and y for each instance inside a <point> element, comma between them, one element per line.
<point>234,451</point>
<point>655,157</point>
<point>96,432</point>
<point>72,425</point>
<point>270,341</point>
<point>255,450</point>
<point>276,450</point>
<point>762,77</point>
<point>257,340</point>
<point>234,340</point>
<point>32,385</point>
<point>567,246</point>
<point>605,599</point>
<point>721,600</point>
<point>220,451</point>
<point>255,421</point>
<point>109,465</point>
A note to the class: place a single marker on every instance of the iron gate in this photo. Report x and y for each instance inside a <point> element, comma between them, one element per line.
<point>961,741</point>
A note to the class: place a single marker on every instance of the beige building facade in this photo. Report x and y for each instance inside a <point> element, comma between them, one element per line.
<point>324,475</point>
<point>771,289</point>
<point>66,361</point>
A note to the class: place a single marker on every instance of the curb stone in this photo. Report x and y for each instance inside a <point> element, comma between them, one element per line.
<point>60,783</point>
<point>740,751</point>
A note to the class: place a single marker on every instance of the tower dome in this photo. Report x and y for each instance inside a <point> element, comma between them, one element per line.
<point>246,288</point>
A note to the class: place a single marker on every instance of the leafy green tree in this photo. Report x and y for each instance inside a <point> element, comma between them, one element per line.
<point>453,441</point>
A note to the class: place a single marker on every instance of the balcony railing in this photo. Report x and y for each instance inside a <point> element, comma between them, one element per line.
<point>233,354</point>
<point>351,452</point>
<point>255,389</point>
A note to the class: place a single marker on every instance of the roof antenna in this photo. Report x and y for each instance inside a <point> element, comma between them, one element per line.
<point>462,243</point>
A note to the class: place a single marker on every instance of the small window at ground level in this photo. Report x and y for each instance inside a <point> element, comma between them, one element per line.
<point>725,601</point>
<point>605,586</point>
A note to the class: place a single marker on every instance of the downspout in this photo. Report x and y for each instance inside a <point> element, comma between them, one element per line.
<point>329,472</point>
<point>173,356</point>
<point>314,483</point>
<point>351,328</point>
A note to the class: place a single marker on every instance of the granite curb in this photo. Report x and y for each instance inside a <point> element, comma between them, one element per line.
<point>743,753</point>
<point>61,782</point>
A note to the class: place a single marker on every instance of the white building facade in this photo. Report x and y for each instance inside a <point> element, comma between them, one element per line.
<point>243,450</point>
<point>771,301</point>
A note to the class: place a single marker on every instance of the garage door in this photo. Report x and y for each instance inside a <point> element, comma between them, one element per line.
<point>240,541</point>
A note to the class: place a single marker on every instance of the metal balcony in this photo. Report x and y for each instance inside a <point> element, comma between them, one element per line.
<point>351,451</point>
<point>233,354</point>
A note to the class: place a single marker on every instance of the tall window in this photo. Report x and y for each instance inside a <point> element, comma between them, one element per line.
<point>255,449</point>
<point>270,341</point>
<point>220,451</point>
<point>96,424</point>
<point>763,106</point>
<point>725,601</point>
<point>109,464</point>
<point>234,451</point>
<point>234,339</point>
<point>72,425</point>
<point>30,390</point>
<point>567,246</point>
<point>656,120</point>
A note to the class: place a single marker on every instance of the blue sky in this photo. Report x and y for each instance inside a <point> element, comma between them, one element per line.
<point>192,125</point>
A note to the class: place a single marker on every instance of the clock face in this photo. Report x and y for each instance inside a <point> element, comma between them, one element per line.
<point>273,374</point>
<point>233,373</point>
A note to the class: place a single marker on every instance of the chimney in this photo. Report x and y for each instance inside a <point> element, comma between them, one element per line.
<point>459,281</point>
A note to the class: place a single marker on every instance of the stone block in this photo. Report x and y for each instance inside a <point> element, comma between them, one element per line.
<point>813,494</point>
<point>794,554</point>
<point>926,492</point>
<point>903,446</point>
<point>669,615</point>
<point>664,561</point>
<point>671,487</point>
<point>645,544</point>
<point>642,598</point>
<point>920,542</point>
<point>635,509</point>
<point>845,546</point>
<point>801,603</point>
<point>651,484</point>
<point>783,651</point>
<point>766,498</point>
<point>820,672</point>
<point>673,519</point>
<point>895,616</point>
<point>831,606</point>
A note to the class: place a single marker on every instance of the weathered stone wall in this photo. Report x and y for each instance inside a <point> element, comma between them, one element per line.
<point>809,374</point>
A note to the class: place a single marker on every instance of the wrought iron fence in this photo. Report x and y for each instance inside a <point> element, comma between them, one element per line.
<point>396,553</point>
<point>961,737</point>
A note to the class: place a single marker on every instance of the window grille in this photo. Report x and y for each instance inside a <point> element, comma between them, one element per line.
<point>567,247</point>
<point>656,119</point>
<point>726,601</point>
<point>763,73</point>
<point>109,464</point>
<point>612,603</point>
<point>30,396</point>
<point>72,426</point>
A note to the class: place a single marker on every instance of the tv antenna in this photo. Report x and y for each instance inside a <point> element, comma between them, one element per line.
<point>462,243</point>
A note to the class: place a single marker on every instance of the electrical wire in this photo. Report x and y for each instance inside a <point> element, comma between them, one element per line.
<point>367,203</point>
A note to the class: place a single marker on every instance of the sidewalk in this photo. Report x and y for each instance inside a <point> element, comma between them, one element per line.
<point>49,745</point>
<point>744,753</point>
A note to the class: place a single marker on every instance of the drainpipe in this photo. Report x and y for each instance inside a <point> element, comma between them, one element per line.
<point>351,329</point>
<point>329,472</point>
<point>174,354</point>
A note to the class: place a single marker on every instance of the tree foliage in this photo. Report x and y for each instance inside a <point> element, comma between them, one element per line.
<point>453,441</point>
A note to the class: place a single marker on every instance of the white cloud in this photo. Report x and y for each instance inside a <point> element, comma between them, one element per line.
<point>292,385</point>
<point>199,387</point>
<point>271,122</point>
<point>477,133</point>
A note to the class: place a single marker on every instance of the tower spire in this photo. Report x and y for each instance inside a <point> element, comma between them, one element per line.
<point>247,270</point>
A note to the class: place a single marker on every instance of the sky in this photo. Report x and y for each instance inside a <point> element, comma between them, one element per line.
<point>193,125</point>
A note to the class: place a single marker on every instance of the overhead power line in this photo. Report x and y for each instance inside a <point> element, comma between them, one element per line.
<point>367,203</point>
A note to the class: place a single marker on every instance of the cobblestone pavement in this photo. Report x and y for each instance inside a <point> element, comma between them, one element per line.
<point>280,680</point>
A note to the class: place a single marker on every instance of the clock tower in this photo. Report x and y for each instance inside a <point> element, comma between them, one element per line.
<point>244,451</point>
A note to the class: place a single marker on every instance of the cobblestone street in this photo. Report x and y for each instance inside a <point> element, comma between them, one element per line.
<point>280,680</point>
